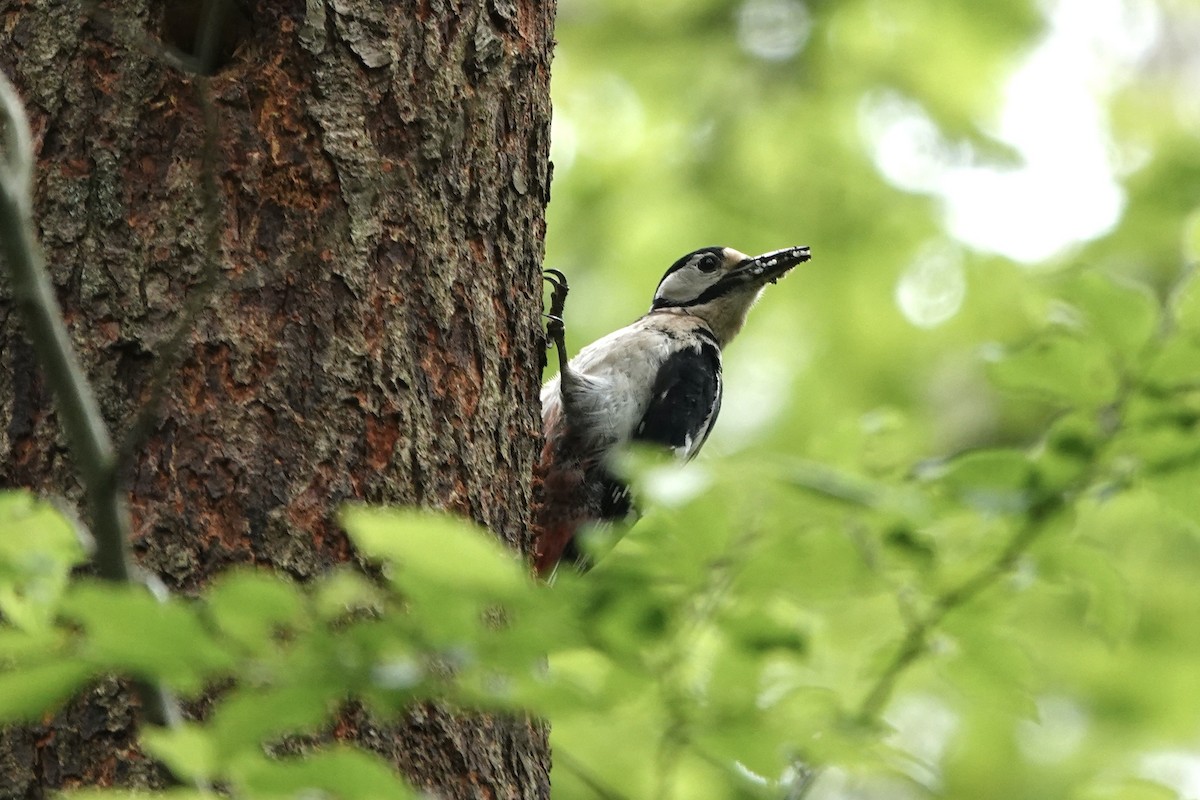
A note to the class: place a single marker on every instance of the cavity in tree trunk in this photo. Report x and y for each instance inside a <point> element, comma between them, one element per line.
<point>374,332</point>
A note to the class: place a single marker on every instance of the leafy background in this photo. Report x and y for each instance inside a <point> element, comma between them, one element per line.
<point>1002,201</point>
<point>944,541</point>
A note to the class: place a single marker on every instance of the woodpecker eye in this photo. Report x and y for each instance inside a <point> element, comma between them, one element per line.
<point>708,263</point>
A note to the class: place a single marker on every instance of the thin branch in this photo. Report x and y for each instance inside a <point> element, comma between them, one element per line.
<point>208,33</point>
<point>707,600</point>
<point>17,162</point>
<point>825,481</point>
<point>88,438</point>
<point>916,640</point>
<point>586,776</point>
<point>863,545</point>
<point>77,407</point>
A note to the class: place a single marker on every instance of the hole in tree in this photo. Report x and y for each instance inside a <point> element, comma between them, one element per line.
<point>205,33</point>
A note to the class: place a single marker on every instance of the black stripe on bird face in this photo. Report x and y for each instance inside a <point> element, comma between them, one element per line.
<point>704,275</point>
<point>695,274</point>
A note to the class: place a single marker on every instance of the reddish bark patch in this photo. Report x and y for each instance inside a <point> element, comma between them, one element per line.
<point>382,433</point>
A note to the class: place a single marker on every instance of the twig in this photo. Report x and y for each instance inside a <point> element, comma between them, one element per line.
<point>34,296</point>
<point>87,436</point>
<point>916,640</point>
<point>586,776</point>
<point>707,601</point>
<point>825,481</point>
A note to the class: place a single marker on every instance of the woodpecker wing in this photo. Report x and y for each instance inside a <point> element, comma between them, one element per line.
<point>684,401</point>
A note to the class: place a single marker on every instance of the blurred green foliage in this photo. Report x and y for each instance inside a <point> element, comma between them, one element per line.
<point>1033,423</point>
<point>944,542</point>
<point>1003,622</point>
<point>757,124</point>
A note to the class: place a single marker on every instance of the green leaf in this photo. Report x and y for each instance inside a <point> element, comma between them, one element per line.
<point>128,630</point>
<point>1175,489</point>
<point>760,717</point>
<point>1110,606</point>
<point>28,692</point>
<point>624,620</point>
<point>187,750</point>
<point>1185,300</point>
<point>251,716</point>
<point>584,678</point>
<point>342,590</point>
<point>32,524</point>
<point>1000,481</point>
<point>1062,369</point>
<point>251,606</point>
<point>775,628</point>
<point>38,549</point>
<point>431,550</point>
<point>19,646</point>
<point>343,773</point>
<point>1067,452</point>
<point>1176,365</point>
<point>1125,315</point>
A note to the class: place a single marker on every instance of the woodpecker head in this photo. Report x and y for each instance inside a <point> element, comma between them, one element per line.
<point>719,285</point>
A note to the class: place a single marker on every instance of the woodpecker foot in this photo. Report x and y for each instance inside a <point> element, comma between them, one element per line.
<point>555,329</point>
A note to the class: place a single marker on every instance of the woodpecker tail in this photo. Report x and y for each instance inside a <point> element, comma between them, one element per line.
<point>569,496</point>
<point>560,508</point>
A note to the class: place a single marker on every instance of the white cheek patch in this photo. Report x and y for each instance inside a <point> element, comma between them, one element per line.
<point>685,284</point>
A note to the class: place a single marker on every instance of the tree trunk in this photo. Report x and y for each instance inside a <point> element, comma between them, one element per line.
<point>374,333</point>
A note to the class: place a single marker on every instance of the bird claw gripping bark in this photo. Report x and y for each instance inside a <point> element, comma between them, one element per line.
<point>555,329</point>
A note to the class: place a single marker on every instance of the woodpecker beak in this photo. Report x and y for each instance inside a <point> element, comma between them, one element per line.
<point>770,267</point>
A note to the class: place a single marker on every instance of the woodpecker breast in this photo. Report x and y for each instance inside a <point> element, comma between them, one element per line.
<point>613,390</point>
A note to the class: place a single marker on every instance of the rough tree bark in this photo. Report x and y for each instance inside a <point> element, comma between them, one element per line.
<point>374,334</point>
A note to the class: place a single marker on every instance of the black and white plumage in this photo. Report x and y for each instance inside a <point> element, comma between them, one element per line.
<point>657,380</point>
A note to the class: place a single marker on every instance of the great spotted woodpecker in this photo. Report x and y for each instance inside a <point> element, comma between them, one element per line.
<point>657,380</point>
